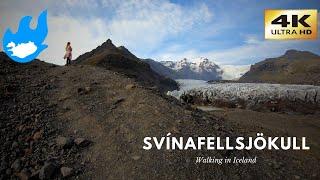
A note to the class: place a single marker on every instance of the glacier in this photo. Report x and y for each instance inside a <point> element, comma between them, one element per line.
<point>249,94</point>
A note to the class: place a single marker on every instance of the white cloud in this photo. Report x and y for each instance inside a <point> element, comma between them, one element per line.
<point>177,55</point>
<point>145,24</point>
<point>81,3</point>
<point>251,39</point>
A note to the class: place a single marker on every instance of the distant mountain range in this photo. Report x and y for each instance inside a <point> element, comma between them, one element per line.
<point>294,67</point>
<point>200,69</point>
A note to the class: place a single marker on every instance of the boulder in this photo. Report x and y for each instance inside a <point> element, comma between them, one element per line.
<point>64,142</point>
<point>81,142</point>
<point>130,86</point>
<point>66,171</point>
<point>48,170</point>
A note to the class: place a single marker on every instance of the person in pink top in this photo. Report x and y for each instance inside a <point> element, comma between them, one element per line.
<point>68,54</point>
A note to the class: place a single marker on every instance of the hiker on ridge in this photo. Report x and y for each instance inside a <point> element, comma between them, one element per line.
<point>68,54</point>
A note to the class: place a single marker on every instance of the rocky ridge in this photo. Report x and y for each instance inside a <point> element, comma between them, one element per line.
<point>294,67</point>
<point>120,59</point>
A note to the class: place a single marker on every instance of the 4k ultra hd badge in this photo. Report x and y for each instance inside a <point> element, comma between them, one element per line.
<point>291,24</point>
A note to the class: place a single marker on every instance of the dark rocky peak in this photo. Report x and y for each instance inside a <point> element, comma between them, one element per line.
<point>107,45</point>
<point>122,48</point>
<point>293,54</point>
<point>126,52</point>
<point>121,60</point>
<point>109,41</point>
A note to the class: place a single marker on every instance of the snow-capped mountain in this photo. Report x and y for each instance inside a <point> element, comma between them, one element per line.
<point>199,69</point>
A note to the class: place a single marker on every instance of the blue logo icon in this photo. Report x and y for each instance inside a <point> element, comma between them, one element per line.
<point>26,44</point>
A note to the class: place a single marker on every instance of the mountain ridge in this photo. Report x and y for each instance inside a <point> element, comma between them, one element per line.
<point>293,67</point>
<point>121,60</point>
<point>199,69</point>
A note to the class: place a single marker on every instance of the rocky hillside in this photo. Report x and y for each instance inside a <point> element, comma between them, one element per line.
<point>294,67</point>
<point>32,144</point>
<point>87,122</point>
<point>120,59</point>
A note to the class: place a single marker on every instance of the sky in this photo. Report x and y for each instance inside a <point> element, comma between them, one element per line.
<point>229,32</point>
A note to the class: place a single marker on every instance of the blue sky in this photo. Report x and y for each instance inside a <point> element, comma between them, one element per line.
<point>225,31</point>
